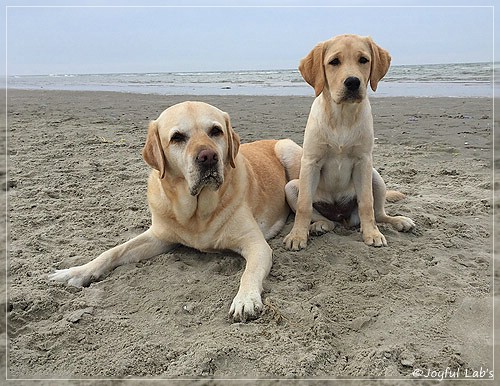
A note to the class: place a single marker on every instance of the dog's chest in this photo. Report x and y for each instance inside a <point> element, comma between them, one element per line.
<point>337,171</point>
<point>343,140</point>
<point>201,234</point>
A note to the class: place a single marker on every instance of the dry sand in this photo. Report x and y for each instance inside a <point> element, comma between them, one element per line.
<point>77,187</point>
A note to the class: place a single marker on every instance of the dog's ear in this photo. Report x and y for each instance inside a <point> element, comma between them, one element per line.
<point>233,141</point>
<point>153,152</point>
<point>381,60</point>
<point>311,68</point>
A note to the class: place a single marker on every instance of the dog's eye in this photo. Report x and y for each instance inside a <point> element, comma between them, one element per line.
<point>335,62</point>
<point>178,138</point>
<point>215,131</point>
<point>363,60</point>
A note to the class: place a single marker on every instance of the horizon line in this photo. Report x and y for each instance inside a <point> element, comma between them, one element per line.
<point>228,71</point>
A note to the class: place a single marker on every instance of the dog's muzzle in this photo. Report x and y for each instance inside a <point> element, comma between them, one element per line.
<point>352,91</point>
<point>209,173</point>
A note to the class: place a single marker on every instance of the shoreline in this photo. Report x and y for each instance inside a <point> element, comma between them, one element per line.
<point>385,90</point>
<point>372,96</point>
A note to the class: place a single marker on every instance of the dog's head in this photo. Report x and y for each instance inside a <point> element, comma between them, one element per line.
<point>342,67</point>
<point>193,141</point>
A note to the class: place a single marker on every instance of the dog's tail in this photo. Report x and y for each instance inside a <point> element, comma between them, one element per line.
<point>393,196</point>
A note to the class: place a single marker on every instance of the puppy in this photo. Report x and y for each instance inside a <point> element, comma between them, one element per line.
<point>207,192</point>
<point>337,181</point>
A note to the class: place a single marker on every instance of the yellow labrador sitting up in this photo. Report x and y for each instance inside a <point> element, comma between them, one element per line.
<point>337,181</point>
<point>207,192</point>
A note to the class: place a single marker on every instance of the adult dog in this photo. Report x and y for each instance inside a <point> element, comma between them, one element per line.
<point>336,172</point>
<point>207,192</point>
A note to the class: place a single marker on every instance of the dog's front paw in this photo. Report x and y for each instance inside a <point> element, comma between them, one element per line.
<point>320,227</point>
<point>375,238</point>
<point>296,240</point>
<point>246,307</point>
<point>403,224</point>
<point>75,276</point>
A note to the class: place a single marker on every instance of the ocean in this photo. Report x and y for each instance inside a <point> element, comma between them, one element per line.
<point>434,80</point>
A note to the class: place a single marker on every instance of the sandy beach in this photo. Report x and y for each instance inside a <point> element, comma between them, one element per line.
<point>77,186</point>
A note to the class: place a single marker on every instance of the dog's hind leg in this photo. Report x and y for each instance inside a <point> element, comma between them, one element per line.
<point>319,223</point>
<point>401,223</point>
<point>289,154</point>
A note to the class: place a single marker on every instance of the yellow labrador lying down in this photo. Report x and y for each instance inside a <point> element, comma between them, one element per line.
<point>207,192</point>
<point>337,181</point>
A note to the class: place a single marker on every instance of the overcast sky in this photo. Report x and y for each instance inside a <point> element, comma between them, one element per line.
<point>65,40</point>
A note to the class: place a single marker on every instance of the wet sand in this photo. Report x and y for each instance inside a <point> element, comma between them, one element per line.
<point>77,186</point>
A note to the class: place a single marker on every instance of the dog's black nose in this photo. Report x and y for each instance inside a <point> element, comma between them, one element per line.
<point>207,157</point>
<point>352,83</point>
